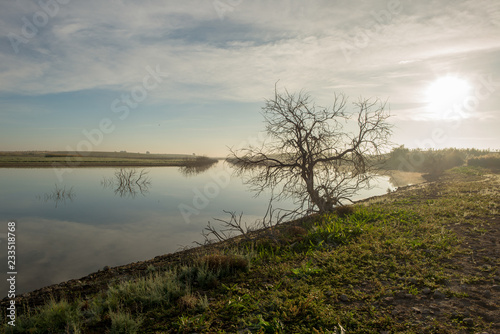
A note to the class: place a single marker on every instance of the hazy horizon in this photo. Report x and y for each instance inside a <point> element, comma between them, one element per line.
<point>191,77</point>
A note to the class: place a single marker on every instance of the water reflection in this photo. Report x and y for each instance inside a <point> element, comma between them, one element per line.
<point>401,179</point>
<point>189,171</point>
<point>128,182</point>
<point>198,166</point>
<point>58,195</point>
<point>100,229</point>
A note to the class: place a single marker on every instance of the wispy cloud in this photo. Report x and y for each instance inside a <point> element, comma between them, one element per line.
<point>386,48</point>
<point>106,45</point>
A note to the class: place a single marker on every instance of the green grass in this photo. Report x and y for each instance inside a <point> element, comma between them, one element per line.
<point>326,273</point>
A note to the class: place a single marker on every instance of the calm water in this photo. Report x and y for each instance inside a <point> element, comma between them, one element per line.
<point>70,228</point>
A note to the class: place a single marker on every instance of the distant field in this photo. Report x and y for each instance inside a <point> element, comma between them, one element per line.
<point>93,159</point>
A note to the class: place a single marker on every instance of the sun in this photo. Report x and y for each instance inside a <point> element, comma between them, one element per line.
<point>446,95</point>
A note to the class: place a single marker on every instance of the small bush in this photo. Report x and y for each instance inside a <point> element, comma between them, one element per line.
<point>207,278</point>
<point>203,302</point>
<point>123,323</point>
<point>289,234</point>
<point>53,317</point>
<point>188,302</point>
<point>296,231</point>
<point>187,275</point>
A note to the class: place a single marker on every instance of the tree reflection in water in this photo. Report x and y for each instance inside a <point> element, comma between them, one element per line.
<point>189,171</point>
<point>128,182</point>
<point>58,195</point>
<point>197,166</point>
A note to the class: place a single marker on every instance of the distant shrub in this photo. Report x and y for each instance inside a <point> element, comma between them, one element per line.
<point>433,162</point>
<point>487,161</point>
<point>61,155</point>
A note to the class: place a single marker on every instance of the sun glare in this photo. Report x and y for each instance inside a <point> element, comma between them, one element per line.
<point>445,95</point>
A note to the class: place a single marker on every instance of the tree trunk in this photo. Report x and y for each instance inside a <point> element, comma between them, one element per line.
<point>324,205</point>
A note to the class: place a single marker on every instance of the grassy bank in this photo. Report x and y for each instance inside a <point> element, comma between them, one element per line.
<point>96,159</point>
<point>420,260</point>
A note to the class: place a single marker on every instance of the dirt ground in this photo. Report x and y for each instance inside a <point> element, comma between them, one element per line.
<point>479,258</point>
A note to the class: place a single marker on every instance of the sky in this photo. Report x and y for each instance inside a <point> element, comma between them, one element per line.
<point>192,76</point>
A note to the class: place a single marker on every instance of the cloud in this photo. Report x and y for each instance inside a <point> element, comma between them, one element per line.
<point>239,57</point>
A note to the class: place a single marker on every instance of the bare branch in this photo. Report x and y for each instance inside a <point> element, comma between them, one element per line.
<point>310,156</point>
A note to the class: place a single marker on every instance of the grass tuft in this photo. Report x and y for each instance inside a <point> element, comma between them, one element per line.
<point>344,210</point>
<point>155,290</point>
<point>225,263</point>
<point>124,323</point>
<point>188,302</point>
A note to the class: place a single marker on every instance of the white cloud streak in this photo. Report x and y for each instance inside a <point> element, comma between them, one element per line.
<point>106,45</point>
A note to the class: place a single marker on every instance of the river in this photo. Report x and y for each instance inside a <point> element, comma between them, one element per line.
<point>67,228</point>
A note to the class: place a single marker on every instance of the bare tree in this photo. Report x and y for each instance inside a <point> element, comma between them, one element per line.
<point>319,156</point>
